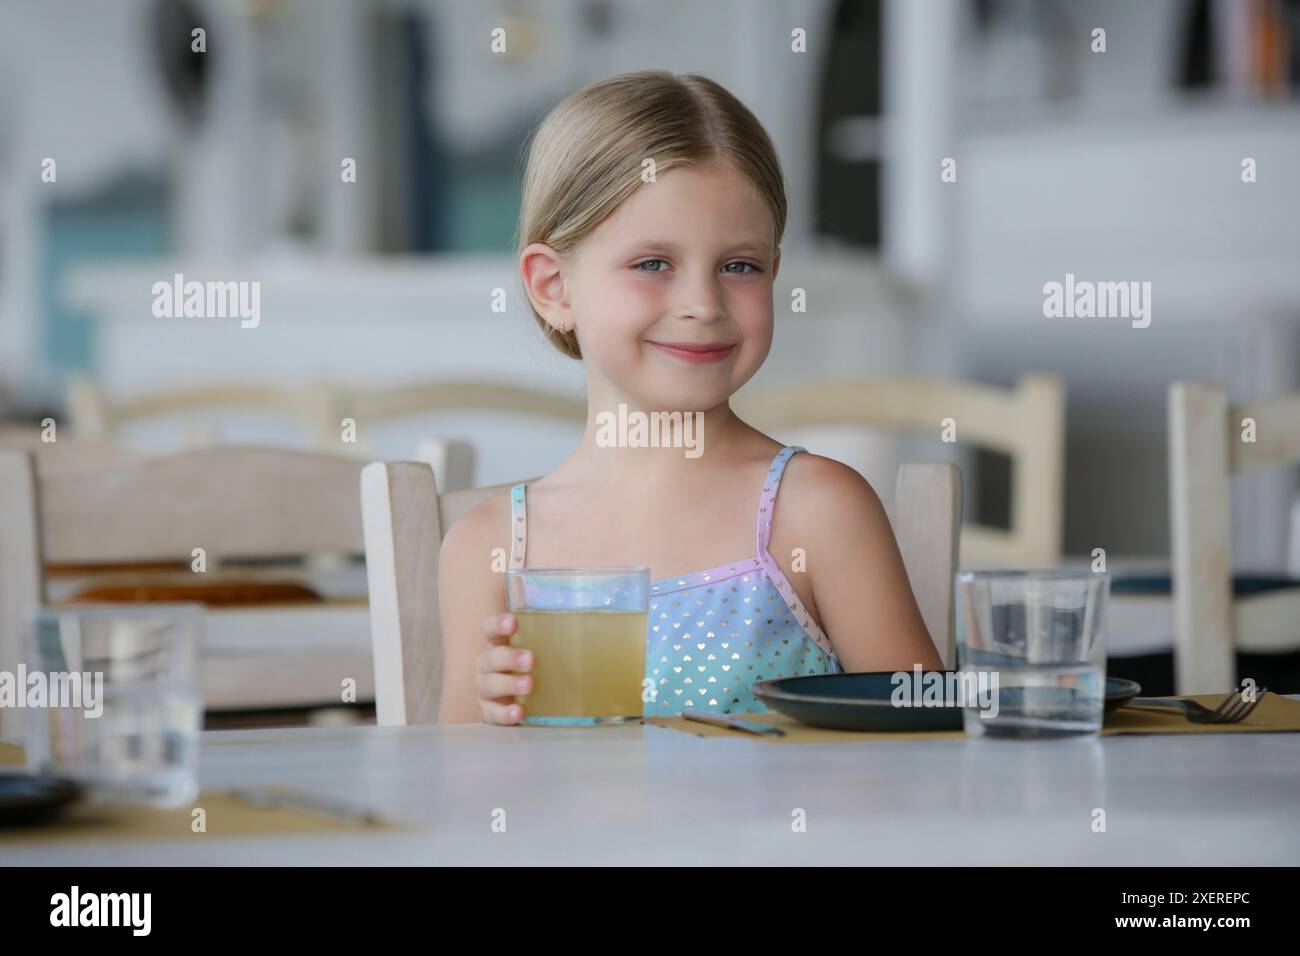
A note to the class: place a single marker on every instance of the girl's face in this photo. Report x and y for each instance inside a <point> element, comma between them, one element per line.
<point>671,295</point>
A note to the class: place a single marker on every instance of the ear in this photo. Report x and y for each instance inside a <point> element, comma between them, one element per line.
<point>540,266</point>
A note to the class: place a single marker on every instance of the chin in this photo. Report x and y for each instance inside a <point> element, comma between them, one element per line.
<point>692,402</point>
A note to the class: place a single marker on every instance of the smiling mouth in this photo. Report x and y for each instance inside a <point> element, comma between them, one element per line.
<point>695,354</point>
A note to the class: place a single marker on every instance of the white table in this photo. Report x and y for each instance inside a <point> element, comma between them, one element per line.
<point>647,795</point>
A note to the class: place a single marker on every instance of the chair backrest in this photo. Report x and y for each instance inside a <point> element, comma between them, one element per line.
<point>93,502</point>
<point>927,524</point>
<point>406,518</point>
<point>454,460</point>
<point>1209,442</point>
<point>1026,422</point>
<point>320,410</point>
<point>413,399</point>
<point>315,408</point>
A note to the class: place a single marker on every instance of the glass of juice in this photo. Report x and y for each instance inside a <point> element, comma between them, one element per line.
<point>586,628</point>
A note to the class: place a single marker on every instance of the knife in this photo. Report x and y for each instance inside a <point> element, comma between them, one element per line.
<point>301,801</point>
<point>734,723</point>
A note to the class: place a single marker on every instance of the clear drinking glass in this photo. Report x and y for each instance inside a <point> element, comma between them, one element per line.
<point>586,628</point>
<point>1042,636</point>
<point>132,737</point>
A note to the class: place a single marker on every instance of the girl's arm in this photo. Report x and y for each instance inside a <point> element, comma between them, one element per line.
<point>859,584</point>
<point>481,673</point>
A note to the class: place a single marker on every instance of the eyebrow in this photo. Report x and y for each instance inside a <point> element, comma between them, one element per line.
<point>663,245</point>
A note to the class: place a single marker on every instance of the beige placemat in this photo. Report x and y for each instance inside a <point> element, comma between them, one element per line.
<point>1275,713</point>
<point>11,755</point>
<point>225,815</point>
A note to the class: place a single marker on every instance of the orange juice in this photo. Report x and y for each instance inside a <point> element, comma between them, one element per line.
<point>586,664</point>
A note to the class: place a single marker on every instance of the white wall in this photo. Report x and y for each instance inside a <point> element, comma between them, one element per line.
<point>78,88</point>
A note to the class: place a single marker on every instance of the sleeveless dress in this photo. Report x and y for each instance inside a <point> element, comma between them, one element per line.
<point>714,633</point>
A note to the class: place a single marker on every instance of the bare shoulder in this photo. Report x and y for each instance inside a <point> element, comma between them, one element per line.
<point>469,543</point>
<point>832,509</point>
<point>821,493</point>
<point>856,573</point>
<point>829,511</point>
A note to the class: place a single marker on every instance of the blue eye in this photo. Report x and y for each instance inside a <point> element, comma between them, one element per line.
<point>661,265</point>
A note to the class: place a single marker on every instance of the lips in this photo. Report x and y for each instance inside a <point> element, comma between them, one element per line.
<point>695,352</point>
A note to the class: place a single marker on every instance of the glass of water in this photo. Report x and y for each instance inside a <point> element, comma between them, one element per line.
<point>120,710</point>
<point>1039,637</point>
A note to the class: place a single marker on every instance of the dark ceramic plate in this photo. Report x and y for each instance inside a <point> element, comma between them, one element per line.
<point>865,702</point>
<point>1119,692</point>
<point>851,702</point>
<point>27,799</point>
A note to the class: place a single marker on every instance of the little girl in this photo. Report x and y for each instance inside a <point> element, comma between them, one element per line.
<point>651,222</point>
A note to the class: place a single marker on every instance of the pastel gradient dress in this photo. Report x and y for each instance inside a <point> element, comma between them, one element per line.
<point>714,633</point>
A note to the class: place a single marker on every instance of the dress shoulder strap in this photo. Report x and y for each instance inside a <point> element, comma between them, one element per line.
<point>770,565</point>
<point>770,486</point>
<point>518,527</point>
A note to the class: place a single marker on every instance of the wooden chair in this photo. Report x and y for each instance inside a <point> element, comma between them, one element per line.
<point>318,410</point>
<point>405,520</point>
<point>74,503</point>
<point>403,400</point>
<point>374,406</point>
<point>1027,422</point>
<point>1206,449</point>
<point>315,409</point>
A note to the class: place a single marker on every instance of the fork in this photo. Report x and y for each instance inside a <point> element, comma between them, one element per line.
<point>1233,709</point>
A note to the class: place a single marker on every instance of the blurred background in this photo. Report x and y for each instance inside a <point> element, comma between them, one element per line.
<point>227,164</point>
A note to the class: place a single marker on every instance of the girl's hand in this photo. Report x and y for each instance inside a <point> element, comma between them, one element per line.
<point>501,672</point>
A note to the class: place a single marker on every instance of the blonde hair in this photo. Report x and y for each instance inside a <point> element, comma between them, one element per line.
<point>586,156</point>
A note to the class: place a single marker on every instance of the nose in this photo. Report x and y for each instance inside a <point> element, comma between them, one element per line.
<point>701,297</point>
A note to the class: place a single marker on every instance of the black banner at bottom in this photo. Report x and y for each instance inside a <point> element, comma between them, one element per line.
<point>341,904</point>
